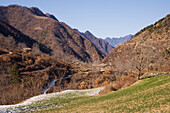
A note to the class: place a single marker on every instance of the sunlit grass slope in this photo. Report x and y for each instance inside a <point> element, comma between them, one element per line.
<point>148,95</point>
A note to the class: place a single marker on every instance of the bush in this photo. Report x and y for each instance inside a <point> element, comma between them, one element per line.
<point>6,58</point>
<point>107,89</point>
<point>15,74</point>
<point>124,82</point>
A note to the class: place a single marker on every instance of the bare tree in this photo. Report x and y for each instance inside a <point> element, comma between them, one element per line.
<point>142,58</point>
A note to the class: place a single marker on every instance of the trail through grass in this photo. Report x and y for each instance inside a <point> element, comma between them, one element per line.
<point>49,100</point>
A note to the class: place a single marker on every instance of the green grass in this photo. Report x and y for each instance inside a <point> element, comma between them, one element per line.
<point>149,95</point>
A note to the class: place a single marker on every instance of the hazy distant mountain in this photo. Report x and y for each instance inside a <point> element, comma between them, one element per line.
<point>64,42</point>
<point>101,44</point>
<point>118,41</point>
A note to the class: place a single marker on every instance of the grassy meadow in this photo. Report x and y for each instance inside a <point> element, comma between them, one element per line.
<point>147,95</point>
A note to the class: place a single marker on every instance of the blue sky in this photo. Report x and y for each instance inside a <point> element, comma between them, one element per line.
<point>104,18</point>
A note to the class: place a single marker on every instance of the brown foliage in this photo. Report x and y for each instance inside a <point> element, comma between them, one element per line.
<point>83,85</point>
<point>124,82</point>
<point>6,58</point>
<point>32,76</point>
<point>147,51</point>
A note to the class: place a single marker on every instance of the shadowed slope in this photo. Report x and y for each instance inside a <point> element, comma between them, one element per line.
<point>60,38</point>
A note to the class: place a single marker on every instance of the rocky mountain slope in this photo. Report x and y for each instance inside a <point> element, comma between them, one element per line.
<point>118,41</point>
<point>24,74</point>
<point>13,39</point>
<point>148,50</point>
<point>48,31</point>
<point>101,44</point>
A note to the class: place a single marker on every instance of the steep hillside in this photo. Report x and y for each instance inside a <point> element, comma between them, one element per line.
<point>118,41</point>
<point>59,37</point>
<point>23,75</point>
<point>148,50</point>
<point>101,44</point>
<point>12,39</point>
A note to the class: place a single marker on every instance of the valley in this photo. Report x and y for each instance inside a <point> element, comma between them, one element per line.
<point>47,66</point>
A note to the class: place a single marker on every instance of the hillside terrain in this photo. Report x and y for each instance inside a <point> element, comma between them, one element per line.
<point>101,44</point>
<point>148,95</point>
<point>148,50</point>
<point>41,55</point>
<point>118,41</point>
<point>25,74</point>
<point>13,39</point>
<point>48,31</point>
<point>31,67</point>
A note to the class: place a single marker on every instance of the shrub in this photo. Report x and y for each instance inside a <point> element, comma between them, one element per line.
<point>6,58</point>
<point>15,74</point>
<point>105,83</point>
<point>83,85</point>
<point>124,82</point>
<point>107,89</point>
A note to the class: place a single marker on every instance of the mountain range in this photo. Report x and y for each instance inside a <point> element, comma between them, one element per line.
<point>54,48</point>
<point>76,60</point>
<point>100,43</point>
<point>62,40</point>
<point>118,41</point>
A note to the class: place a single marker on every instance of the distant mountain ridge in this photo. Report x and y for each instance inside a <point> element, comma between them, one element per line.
<point>118,41</point>
<point>101,44</point>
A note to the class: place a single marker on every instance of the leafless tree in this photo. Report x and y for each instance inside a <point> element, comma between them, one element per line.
<point>142,58</point>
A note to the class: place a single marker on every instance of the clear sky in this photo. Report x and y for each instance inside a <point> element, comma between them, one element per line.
<point>104,18</point>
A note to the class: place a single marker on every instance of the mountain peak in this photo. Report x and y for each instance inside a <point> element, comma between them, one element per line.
<point>88,32</point>
<point>37,11</point>
<point>77,30</point>
<point>51,16</point>
<point>14,5</point>
<point>101,44</point>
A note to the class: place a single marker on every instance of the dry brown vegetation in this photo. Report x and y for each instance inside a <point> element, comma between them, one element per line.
<point>147,51</point>
<point>125,81</point>
<point>24,75</point>
<point>93,79</point>
<point>59,38</point>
